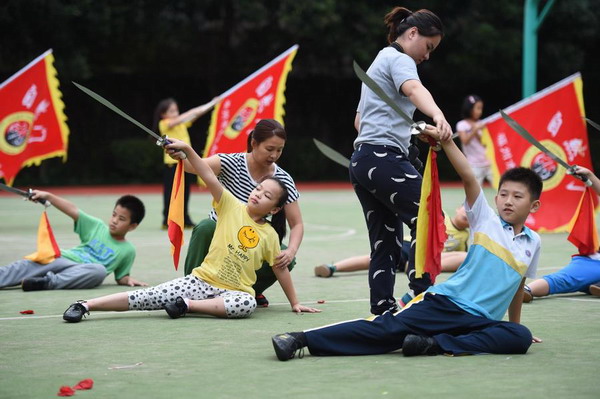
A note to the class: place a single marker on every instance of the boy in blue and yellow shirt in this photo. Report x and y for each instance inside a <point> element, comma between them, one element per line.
<point>462,315</point>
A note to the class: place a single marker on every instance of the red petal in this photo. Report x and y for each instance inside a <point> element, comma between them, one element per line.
<point>65,391</point>
<point>26,312</point>
<point>88,383</point>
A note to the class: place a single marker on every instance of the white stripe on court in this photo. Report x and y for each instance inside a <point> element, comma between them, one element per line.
<point>100,313</point>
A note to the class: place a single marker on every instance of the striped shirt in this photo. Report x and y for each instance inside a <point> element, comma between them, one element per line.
<point>236,178</point>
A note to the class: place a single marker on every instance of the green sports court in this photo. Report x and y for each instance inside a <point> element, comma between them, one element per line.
<point>148,355</point>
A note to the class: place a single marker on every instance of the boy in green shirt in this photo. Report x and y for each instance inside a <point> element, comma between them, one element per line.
<point>103,250</point>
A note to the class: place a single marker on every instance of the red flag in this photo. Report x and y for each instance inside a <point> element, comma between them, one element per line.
<point>47,248</point>
<point>554,117</point>
<point>583,231</point>
<point>32,122</point>
<point>175,219</point>
<point>259,96</point>
<point>431,230</point>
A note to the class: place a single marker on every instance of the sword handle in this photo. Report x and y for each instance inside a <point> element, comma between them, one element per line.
<point>583,178</point>
<point>165,141</point>
<point>41,200</point>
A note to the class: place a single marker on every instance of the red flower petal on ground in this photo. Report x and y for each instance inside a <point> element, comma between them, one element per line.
<point>65,391</point>
<point>88,383</point>
<point>26,312</point>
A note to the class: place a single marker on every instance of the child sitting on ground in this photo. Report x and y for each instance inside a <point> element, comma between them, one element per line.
<point>582,274</point>
<point>222,285</point>
<point>462,315</point>
<point>103,250</point>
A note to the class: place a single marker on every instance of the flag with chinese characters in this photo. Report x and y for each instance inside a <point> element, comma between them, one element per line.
<point>32,122</point>
<point>175,217</point>
<point>431,230</point>
<point>259,96</point>
<point>554,116</point>
<point>47,248</point>
<point>583,231</point>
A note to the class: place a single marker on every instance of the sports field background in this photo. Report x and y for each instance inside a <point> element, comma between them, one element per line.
<point>148,355</point>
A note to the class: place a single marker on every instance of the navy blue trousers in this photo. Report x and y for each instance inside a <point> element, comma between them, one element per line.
<point>456,331</point>
<point>388,188</point>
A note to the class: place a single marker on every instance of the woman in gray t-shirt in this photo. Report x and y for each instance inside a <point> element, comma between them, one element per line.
<point>387,185</point>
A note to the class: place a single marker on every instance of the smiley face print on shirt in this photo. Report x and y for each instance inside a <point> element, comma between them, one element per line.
<point>248,238</point>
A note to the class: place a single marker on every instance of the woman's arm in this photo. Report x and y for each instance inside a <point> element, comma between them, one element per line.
<point>422,99</point>
<point>193,113</point>
<point>294,220</point>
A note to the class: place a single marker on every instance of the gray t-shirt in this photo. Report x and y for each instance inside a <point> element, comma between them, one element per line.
<point>380,124</point>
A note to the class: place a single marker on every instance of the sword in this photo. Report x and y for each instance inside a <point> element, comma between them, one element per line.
<point>332,154</point>
<point>527,136</point>
<point>160,141</point>
<point>594,124</point>
<point>25,194</point>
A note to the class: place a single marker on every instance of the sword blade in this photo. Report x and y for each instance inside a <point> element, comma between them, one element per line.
<point>332,154</point>
<point>116,109</point>
<point>527,136</point>
<point>594,124</point>
<point>14,190</point>
<point>371,84</point>
<point>22,193</point>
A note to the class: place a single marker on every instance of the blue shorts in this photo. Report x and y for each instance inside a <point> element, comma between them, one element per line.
<point>576,276</point>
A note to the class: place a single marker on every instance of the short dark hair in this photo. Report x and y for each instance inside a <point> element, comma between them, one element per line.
<point>526,176</point>
<point>135,207</point>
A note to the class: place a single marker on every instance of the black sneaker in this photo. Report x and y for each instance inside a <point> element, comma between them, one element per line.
<point>286,345</point>
<point>75,312</point>
<point>416,345</point>
<point>262,301</point>
<point>35,283</point>
<point>176,309</point>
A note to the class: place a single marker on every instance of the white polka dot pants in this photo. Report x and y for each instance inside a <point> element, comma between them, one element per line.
<point>238,304</point>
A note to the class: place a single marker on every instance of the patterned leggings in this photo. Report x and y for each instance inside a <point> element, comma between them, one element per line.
<point>238,304</point>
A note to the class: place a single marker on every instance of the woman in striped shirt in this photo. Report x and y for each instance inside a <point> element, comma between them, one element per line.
<point>239,173</point>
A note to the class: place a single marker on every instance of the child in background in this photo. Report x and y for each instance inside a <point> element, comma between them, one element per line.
<point>222,285</point>
<point>469,131</point>
<point>169,122</point>
<point>103,250</point>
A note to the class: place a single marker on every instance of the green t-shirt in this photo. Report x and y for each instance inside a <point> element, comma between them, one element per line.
<point>98,246</point>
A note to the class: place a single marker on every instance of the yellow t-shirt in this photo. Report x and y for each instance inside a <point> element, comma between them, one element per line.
<point>179,131</point>
<point>457,239</point>
<point>238,248</point>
